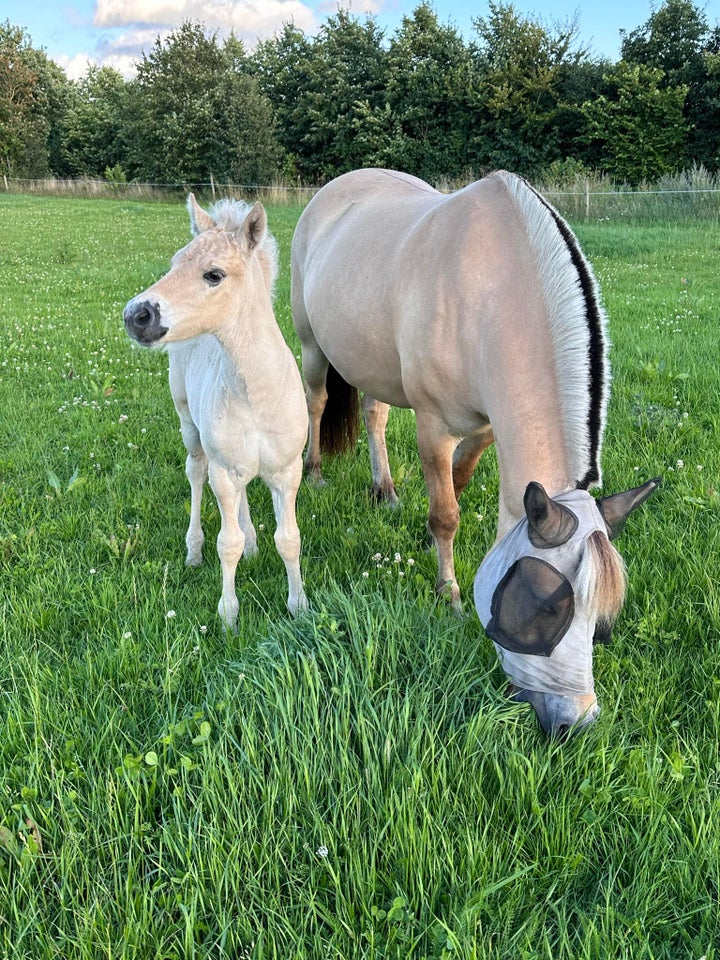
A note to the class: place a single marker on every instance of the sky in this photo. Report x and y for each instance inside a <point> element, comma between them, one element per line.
<point>115,32</point>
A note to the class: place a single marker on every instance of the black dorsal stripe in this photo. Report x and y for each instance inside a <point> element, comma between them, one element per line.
<point>593,318</point>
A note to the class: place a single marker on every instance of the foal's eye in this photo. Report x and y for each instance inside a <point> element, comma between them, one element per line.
<point>213,277</point>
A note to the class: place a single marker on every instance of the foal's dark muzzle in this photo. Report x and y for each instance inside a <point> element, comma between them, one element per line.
<point>142,322</point>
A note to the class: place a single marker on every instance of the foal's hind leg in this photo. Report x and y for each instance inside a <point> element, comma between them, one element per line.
<point>246,525</point>
<point>287,534</point>
<point>436,453</point>
<point>376,414</point>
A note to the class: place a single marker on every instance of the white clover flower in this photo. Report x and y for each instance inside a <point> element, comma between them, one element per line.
<point>322,852</point>
<point>365,574</point>
<point>170,615</point>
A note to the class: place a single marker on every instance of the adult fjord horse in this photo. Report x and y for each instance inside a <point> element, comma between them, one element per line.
<point>478,310</point>
<point>234,382</point>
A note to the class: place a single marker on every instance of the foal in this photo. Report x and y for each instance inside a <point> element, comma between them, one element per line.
<point>234,382</point>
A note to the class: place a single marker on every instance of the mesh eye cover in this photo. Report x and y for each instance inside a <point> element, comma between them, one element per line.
<point>532,608</point>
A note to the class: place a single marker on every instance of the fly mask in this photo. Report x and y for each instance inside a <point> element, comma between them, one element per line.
<point>526,589</point>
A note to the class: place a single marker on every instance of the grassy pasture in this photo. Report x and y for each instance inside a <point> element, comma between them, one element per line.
<point>354,784</point>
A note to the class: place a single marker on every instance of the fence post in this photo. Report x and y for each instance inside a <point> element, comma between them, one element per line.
<point>212,185</point>
<point>587,199</point>
<point>7,187</point>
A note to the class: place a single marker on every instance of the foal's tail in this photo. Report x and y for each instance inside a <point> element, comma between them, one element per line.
<point>341,417</point>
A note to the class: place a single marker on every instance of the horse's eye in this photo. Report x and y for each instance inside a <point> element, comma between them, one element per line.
<point>213,277</point>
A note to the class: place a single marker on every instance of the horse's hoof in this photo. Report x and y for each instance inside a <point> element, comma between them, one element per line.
<point>385,496</point>
<point>194,560</point>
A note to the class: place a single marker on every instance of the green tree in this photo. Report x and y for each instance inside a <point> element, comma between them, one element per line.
<point>638,128</point>
<point>195,111</point>
<point>33,96</point>
<point>677,40</point>
<point>95,123</point>
<point>323,91</point>
<point>429,71</point>
<point>520,69</point>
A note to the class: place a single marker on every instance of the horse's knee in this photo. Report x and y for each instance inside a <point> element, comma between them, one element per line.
<point>443,523</point>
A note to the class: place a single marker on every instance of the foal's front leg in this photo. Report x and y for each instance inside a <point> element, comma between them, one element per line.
<point>436,455</point>
<point>230,541</point>
<point>287,534</point>
<point>196,468</point>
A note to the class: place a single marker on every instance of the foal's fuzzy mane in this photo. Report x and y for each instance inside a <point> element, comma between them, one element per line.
<point>578,327</point>
<point>230,215</point>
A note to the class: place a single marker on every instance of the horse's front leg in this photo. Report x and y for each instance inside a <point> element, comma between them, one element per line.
<point>436,455</point>
<point>466,456</point>
<point>230,541</point>
<point>375,415</point>
<point>287,534</point>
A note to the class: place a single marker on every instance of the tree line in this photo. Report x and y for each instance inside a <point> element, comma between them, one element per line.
<point>519,94</point>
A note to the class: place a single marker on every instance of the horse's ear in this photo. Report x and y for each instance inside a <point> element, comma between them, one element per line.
<point>255,226</point>
<point>200,220</point>
<point>550,523</point>
<point>616,508</point>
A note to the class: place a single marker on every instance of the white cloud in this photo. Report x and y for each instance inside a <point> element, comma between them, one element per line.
<point>249,19</point>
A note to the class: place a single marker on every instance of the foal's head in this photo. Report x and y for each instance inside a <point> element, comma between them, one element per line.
<point>230,265</point>
<point>548,591</point>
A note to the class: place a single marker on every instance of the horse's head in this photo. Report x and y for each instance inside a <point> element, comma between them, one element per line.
<point>549,590</point>
<point>210,278</point>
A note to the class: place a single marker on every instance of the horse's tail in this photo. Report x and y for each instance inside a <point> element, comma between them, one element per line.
<point>341,417</point>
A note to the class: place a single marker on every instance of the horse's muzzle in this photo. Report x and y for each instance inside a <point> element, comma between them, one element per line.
<point>142,322</point>
<point>560,716</point>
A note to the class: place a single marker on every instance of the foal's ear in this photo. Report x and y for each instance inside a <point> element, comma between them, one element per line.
<point>616,508</point>
<point>255,226</point>
<point>199,219</point>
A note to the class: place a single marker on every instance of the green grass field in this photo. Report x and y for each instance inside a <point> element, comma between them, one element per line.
<point>353,784</point>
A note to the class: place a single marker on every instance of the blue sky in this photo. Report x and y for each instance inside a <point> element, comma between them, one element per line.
<point>74,32</point>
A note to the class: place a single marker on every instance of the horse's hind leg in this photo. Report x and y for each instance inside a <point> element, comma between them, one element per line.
<point>375,414</point>
<point>436,452</point>
<point>287,534</point>
<point>314,369</point>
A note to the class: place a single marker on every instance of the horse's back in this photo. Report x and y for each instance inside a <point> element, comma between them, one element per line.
<point>389,275</point>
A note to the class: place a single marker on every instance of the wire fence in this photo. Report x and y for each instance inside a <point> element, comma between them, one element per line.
<point>585,200</point>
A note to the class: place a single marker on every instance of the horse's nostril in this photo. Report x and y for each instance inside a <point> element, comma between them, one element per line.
<point>142,317</point>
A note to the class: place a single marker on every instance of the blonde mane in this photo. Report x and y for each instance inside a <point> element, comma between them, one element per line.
<point>577,326</point>
<point>601,578</point>
<point>230,215</point>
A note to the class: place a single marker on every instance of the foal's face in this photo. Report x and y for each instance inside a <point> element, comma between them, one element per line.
<point>548,591</point>
<point>216,277</point>
<point>200,290</point>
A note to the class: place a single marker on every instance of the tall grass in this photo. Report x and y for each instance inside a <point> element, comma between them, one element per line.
<point>353,784</point>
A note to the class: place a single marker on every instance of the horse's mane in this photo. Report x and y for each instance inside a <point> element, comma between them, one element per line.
<point>578,327</point>
<point>230,215</point>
